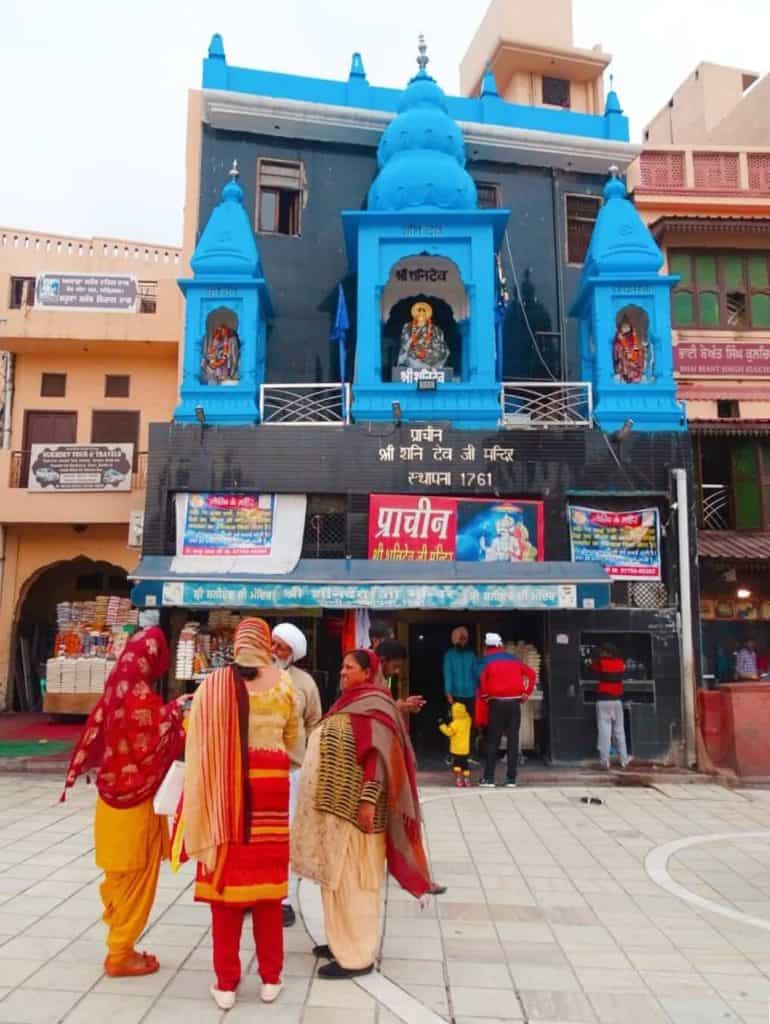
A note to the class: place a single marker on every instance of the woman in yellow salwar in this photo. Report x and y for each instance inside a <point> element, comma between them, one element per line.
<point>357,815</point>
<point>129,742</point>
<point>235,816</point>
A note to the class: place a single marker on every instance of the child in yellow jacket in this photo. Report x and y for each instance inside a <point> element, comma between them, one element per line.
<point>459,733</point>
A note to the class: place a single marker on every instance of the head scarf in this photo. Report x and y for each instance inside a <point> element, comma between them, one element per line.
<point>458,633</point>
<point>252,643</point>
<point>130,738</point>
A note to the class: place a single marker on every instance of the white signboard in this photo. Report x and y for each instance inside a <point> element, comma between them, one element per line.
<point>103,292</point>
<point>80,467</point>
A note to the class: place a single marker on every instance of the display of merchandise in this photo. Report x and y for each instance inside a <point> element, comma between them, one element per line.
<point>90,635</point>
<point>201,649</point>
<point>527,653</point>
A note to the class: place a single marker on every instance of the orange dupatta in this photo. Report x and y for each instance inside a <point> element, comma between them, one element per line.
<point>216,781</point>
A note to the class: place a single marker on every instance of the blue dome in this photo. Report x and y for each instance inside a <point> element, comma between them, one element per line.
<point>421,155</point>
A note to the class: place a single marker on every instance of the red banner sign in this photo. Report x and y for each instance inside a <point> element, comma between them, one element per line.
<point>722,359</point>
<point>432,529</point>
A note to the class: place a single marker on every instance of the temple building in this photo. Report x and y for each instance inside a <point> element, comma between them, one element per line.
<point>427,378</point>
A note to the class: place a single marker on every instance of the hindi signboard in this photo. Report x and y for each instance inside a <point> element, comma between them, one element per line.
<point>80,467</point>
<point>433,529</point>
<point>115,293</point>
<point>627,544</point>
<point>229,524</point>
<point>722,359</point>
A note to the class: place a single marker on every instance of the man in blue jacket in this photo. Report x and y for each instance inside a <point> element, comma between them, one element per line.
<point>460,675</point>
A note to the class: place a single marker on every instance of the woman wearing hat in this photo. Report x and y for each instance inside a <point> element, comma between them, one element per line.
<point>243,722</point>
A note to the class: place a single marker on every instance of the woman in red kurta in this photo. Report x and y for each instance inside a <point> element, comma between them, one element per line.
<point>236,806</point>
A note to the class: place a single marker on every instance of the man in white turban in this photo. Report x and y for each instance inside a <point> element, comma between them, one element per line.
<point>290,646</point>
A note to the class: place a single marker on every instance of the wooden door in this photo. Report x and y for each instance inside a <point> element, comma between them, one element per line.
<point>44,427</point>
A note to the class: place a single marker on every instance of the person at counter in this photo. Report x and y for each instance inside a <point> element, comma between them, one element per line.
<point>610,727</point>
<point>746,662</point>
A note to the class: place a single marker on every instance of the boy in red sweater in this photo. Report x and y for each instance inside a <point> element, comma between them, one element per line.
<point>610,669</point>
<point>505,683</point>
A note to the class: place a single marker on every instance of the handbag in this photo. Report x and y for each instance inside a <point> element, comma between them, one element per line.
<point>166,800</point>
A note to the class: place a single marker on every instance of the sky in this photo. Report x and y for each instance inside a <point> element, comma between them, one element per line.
<point>93,94</point>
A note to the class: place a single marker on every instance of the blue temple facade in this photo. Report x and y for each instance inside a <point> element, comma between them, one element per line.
<point>439,312</point>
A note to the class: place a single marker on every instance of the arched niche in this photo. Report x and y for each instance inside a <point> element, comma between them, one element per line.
<point>434,280</point>
<point>221,348</point>
<point>633,354</point>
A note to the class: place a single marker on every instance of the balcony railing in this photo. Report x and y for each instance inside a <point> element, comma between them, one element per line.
<point>718,169</point>
<point>305,405</point>
<point>536,405</point>
<point>19,472</point>
<point>715,508</point>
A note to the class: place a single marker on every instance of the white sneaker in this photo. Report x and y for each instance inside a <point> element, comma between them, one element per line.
<point>224,1000</point>
<point>626,763</point>
<point>604,765</point>
<point>269,993</point>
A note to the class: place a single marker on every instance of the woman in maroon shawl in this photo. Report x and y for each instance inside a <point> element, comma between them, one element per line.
<point>357,812</point>
<point>129,742</point>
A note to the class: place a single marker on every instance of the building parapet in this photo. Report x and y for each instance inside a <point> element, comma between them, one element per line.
<point>720,170</point>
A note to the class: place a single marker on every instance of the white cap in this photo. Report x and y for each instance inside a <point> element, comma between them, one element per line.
<point>493,640</point>
<point>288,633</point>
<point>149,617</point>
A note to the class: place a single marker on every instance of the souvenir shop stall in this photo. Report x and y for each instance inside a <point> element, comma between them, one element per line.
<point>90,636</point>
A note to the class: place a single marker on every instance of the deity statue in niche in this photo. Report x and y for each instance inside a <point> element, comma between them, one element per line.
<point>630,353</point>
<point>221,355</point>
<point>423,346</point>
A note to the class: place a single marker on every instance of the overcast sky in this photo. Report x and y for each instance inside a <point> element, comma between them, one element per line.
<point>93,93</point>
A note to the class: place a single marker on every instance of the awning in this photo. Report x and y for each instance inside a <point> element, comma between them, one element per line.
<point>746,225</point>
<point>358,583</point>
<point>730,428</point>
<point>734,545</point>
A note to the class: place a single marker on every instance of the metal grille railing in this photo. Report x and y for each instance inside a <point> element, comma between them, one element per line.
<point>324,535</point>
<point>20,461</point>
<point>536,404</point>
<point>715,510</point>
<point>304,404</point>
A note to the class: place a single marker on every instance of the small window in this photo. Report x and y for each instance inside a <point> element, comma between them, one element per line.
<point>582,212</point>
<point>117,386</point>
<point>147,296</point>
<point>22,292</point>
<point>728,409</point>
<point>53,385</point>
<point>116,428</point>
<point>556,92</point>
<point>488,195</point>
<point>280,190</point>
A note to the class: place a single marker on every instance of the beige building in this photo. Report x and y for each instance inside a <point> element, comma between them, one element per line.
<point>529,48</point>
<point>715,105</point>
<point>702,183</point>
<point>90,327</point>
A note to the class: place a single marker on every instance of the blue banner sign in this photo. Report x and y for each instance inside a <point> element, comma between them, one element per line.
<point>453,596</point>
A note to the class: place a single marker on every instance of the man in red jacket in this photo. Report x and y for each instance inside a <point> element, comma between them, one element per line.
<point>610,670</point>
<point>505,682</point>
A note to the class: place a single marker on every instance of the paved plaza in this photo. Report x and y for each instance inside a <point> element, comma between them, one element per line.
<point>624,912</point>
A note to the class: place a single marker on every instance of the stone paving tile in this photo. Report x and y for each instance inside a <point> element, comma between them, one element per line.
<point>546,897</point>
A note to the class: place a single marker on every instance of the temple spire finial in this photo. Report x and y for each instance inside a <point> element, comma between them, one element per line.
<point>422,59</point>
<point>234,172</point>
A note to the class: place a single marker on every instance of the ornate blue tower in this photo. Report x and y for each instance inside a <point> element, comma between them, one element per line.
<point>227,305</point>
<point>424,257</point>
<point>624,309</point>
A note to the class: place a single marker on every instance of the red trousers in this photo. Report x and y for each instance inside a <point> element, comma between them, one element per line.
<point>226,927</point>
